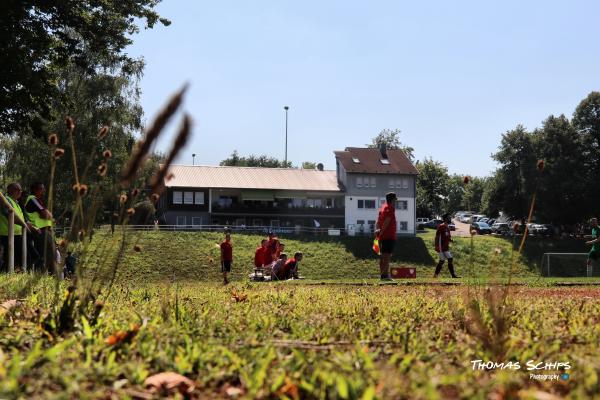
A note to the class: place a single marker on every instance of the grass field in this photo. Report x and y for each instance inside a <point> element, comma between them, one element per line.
<point>303,341</point>
<point>335,335</point>
<point>195,256</point>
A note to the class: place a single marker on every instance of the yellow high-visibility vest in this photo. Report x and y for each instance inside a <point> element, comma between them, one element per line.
<point>35,217</point>
<point>4,219</point>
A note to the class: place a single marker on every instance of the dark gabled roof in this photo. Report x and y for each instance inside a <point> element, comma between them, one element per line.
<point>369,161</point>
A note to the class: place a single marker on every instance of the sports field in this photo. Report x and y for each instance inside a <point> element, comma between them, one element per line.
<point>332,336</point>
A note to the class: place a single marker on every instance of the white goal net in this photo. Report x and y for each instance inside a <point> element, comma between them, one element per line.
<point>568,265</point>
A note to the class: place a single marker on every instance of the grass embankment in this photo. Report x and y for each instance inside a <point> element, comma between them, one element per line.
<point>195,256</point>
<point>304,342</point>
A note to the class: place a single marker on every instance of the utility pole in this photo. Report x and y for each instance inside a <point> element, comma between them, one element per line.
<point>193,158</point>
<point>286,108</point>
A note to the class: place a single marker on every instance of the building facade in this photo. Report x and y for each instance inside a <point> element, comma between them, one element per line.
<point>288,198</point>
<point>367,175</point>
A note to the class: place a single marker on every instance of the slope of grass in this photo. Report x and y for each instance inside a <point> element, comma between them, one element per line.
<point>195,256</point>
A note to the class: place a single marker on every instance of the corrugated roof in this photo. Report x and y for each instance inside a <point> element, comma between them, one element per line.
<point>201,176</point>
<point>369,161</point>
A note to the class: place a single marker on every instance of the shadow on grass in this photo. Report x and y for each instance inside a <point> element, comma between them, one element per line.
<point>536,246</point>
<point>408,249</point>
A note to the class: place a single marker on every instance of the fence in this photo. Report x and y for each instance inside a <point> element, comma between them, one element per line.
<point>567,265</point>
<point>11,236</point>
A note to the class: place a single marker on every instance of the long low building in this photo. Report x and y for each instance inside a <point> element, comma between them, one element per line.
<point>348,197</point>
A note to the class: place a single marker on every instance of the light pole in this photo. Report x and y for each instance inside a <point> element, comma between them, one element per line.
<point>286,108</point>
<point>193,158</point>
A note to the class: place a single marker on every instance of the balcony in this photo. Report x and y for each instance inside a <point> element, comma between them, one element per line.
<point>240,209</point>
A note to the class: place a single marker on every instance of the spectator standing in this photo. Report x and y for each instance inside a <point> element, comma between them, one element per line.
<point>41,218</point>
<point>386,232</point>
<point>70,262</point>
<point>594,253</point>
<point>226,257</point>
<point>13,194</point>
<point>272,246</point>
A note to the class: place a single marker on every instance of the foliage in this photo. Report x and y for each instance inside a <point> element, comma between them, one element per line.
<point>309,165</point>
<point>432,187</point>
<point>38,40</point>
<point>391,139</point>
<point>235,160</point>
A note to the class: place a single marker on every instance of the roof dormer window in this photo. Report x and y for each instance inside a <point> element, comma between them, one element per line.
<point>355,160</point>
<point>385,161</point>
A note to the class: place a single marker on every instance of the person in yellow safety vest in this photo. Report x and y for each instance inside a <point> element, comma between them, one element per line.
<point>41,218</point>
<point>14,192</point>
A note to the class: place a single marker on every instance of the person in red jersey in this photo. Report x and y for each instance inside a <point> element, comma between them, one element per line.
<point>289,270</point>
<point>226,257</point>
<point>272,246</point>
<point>442,246</point>
<point>386,233</point>
<point>259,255</point>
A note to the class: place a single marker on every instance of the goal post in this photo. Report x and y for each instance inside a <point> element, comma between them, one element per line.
<point>568,265</point>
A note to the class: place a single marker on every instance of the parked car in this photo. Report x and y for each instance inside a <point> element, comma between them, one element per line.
<point>542,229</point>
<point>434,223</point>
<point>481,228</point>
<point>452,226</point>
<point>490,221</point>
<point>484,219</point>
<point>422,220</point>
<point>466,218</point>
<point>476,217</point>
<point>500,228</point>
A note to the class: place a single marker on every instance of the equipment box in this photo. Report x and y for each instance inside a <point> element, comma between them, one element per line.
<point>403,272</point>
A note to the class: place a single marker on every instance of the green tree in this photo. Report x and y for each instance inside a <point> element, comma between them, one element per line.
<point>38,39</point>
<point>561,192</point>
<point>432,187</point>
<point>517,173</point>
<point>491,199</point>
<point>309,165</point>
<point>391,138</point>
<point>586,121</point>
<point>456,192</point>
<point>254,161</point>
<point>473,193</point>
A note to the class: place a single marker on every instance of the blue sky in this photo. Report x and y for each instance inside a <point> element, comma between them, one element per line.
<point>453,76</point>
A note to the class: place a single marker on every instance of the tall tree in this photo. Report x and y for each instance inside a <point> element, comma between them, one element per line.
<point>517,173</point>
<point>456,192</point>
<point>586,120</point>
<point>40,38</point>
<point>561,191</point>
<point>309,165</point>
<point>391,138</point>
<point>432,187</point>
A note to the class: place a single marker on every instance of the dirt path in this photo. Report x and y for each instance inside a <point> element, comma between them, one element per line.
<point>462,229</point>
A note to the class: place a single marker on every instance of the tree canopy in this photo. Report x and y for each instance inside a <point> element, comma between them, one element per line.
<point>391,139</point>
<point>235,160</point>
<point>38,39</point>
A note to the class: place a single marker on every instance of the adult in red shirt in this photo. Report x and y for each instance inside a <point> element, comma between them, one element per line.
<point>259,254</point>
<point>442,246</point>
<point>226,257</point>
<point>386,232</point>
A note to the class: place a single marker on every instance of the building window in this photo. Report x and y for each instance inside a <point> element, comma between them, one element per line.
<point>361,204</point>
<point>257,222</point>
<point>403,225</point>
<point>373,182</point>
<point>404,183</point>
<point>370,204</point>
<point>392,183</point>
<point>355,160</point>
<point>188,197</point>
<point>275,222</point>
<point>177,197</point>
<point>329,203</point>
<point>359,181</point>
<point>402,205</point>
<point>199,198</point>
<point>318,203</point>
<point>181,219</point>
<point>360,222</point>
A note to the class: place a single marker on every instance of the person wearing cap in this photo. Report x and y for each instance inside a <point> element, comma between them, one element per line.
<point>442,246</point>
<point>386,233</point>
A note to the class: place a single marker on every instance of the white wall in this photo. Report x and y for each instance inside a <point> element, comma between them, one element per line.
<point>353,213</point>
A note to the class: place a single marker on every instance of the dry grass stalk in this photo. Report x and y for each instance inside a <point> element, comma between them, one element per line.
<point>157,181</point>
<point>140,153</point>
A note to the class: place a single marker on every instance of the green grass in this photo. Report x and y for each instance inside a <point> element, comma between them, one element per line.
<point>195,256</point>
<point>313,341</point>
